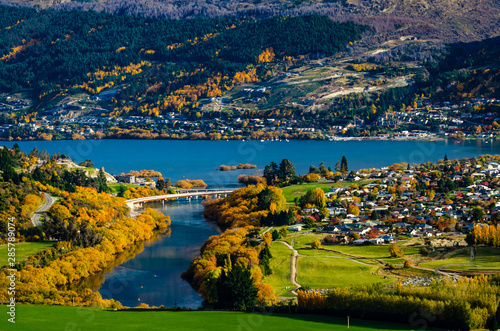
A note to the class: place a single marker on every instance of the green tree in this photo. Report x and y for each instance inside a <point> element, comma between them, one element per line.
<point>343,165</point>
<point>102,181</point>
<point>236,290</point>
<point>265,257</point>
<point>286,171</point>
<point>160,184</point>
<point>314,170</point>
<point>322,169</point>
<point>477,214</point>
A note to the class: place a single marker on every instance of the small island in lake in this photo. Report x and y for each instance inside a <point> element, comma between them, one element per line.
<point>224,167</point>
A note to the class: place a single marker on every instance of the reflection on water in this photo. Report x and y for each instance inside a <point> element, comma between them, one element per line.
<point>150,272</point>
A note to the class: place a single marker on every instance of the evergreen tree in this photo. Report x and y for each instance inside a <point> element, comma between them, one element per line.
<point>102,181</point>
<point>286,170</point>
<point>160,184</point>
<point>235,289</point>
<point>5,158</point>
<point>322,168</point>
<point>314,170</point>
<point>265,257</point>
<point>343,165</point>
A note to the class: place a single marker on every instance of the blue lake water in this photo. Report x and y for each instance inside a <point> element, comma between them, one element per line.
<point>199,159</point>
<point>152,272</point>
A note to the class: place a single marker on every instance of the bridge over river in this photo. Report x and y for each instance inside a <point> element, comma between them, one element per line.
<point>138,203</point>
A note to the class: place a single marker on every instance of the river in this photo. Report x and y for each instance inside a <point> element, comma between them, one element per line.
<point>151,272</point>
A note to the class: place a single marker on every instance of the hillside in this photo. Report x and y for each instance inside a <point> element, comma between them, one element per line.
<point>152,65</point>
<point>457,20</point>
<point>77,74</point>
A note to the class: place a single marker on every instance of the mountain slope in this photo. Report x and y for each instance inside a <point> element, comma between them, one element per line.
<point>450,20</point>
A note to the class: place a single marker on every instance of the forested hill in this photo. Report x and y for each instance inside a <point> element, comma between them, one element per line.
<point>457,20</point>
<point>158,64</point>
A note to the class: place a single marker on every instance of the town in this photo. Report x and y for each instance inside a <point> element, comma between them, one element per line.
<point>428,200</point>
<point>471,118</point>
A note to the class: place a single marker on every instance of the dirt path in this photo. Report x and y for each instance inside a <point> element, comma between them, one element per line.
<point>267,230</point>
<point>293,266</point>
<point>296,255</point>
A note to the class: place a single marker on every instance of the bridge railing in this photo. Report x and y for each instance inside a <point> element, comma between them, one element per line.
<point>180,195</point>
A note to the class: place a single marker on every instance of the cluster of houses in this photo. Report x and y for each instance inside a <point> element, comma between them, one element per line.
<point>89,120</point>
<point>131,179</point>
<point>428,200</point>
<point>10,104</point>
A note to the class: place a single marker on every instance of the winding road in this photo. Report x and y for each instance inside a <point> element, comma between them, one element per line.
<point>49,201</point>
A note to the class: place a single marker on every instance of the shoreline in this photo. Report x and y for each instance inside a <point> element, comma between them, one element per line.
<point>333,139</point>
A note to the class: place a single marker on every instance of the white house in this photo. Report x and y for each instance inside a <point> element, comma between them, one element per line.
<point>295,227</point>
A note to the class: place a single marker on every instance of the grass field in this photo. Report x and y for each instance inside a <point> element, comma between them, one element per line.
<point>329,272</point>
<point>486,258</point>
<point>280,265</point>
<point>74,318</point>
<point>114,186</point>
<point>23,250</point>
<point>370,252</point>
<point>296,191</point>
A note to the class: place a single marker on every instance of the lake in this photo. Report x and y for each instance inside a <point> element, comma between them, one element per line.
<point>180,159</point>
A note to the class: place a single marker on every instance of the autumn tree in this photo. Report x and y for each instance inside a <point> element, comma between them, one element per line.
<point>353,209</point>
<point>314,197</point>
<point>395,251</point>
<point>316,244</point>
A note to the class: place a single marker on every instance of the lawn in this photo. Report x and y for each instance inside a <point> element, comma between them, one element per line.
<point>371,251</point>
<point>305,240</point>
<point>486,258</point>
<point>23,250</point>
<point>379,252</point>
<point>74,318</point>
<point>115,186</point>
<point>329,272</point>
<point>280,265</point>
<point>296,191</point>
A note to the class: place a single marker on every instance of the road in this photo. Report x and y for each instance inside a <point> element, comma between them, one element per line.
<point>49,201</point>
<point>131,203</point>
